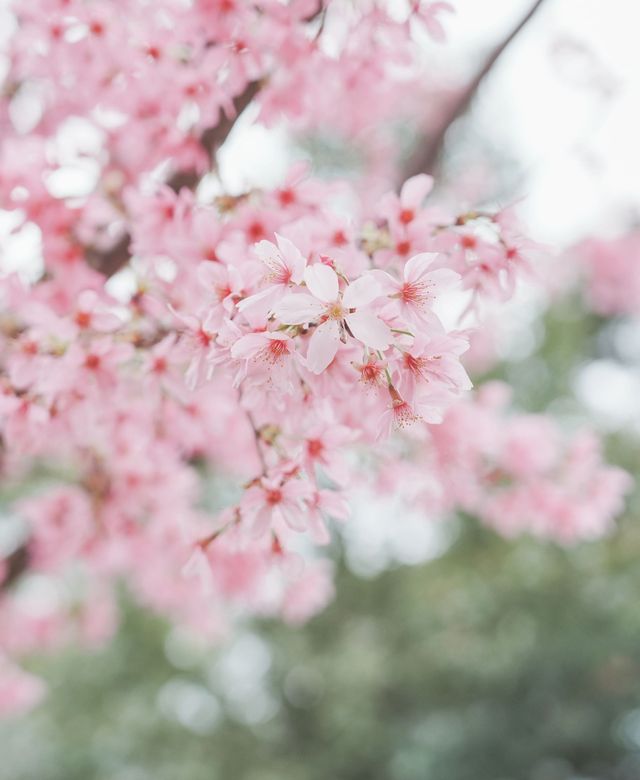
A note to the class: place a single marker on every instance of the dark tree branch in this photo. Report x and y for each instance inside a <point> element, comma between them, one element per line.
<point>16,563</point>
<point>111,260</point>
<point>213,138</point>
<point>425,158</point>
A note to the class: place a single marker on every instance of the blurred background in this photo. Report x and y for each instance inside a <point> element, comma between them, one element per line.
<point>448,653</point>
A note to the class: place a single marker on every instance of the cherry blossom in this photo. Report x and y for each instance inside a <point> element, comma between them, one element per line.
<point>339,314</point>
<point>195,378</point>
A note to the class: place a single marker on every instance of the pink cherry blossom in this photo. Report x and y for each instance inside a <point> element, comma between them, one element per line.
<point>419,288</point>
<point>276,503</point>
<point>338,314</point>
<point>285,266</point>
<point>203,370</point>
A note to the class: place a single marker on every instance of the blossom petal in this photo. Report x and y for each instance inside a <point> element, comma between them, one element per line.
<point>368,328</point>
<point>444,278</point>
<point>417,266</point>
<point>363,291</point>
<point>415,190</point>
<point>293,516</point>
<point>247,346</point>
<point>323,346</point>
<point>293,258</point>
<point>261,523</point>
<point>322,282</point>
<point>267,252</point>
<point>264,298</point>
<point>295,309</point>
<point>334,504</point>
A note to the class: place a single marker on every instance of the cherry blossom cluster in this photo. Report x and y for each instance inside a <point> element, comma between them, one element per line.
<point>191,385</point>
<point>283,365</point>
<point>160,81</point>
<point>517,472</point>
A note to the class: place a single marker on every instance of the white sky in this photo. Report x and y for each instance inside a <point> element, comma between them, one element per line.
<point>580,146</point>
<point>564,101</point>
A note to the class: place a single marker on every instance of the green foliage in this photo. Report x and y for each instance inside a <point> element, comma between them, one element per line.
<point>497,661</point>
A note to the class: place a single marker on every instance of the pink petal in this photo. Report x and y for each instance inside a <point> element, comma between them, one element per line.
<point>363,291</point>
<point>261,301</point>
<point>415,190</point>
<point>334,504</point>
<point>292,516</point>
<point>444,278</point>
<point>267,252</point>
<point>387,283</point>
<point>261,523</point>
<point>209,274</point>
<point>323,346</point>
<point>317,528</point>
<point>294,260</point>
<point>296,309</point>
<point>322,282</point>
<point>248,345</point>
<point>369,329</point>
<point>418,265</point>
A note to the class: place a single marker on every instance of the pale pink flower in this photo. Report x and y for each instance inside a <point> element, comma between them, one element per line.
<point>285,266</point>
<point>433,361</point>
<point>91,313</point>
<point>336,313</point>
<point>398,415</point>
<point>402,210</point>
<point>275,503</point>
<point>421,285</point>
<point>272,355</point>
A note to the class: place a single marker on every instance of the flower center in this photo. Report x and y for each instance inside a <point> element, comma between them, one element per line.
<point>92,362</point>
<point>277,272</point>
<point>273,496</point>
<point>275,351</point>
<point>416,293</point>
<point>315,448</point>
<point>83,319</point>
<point>335,311</point>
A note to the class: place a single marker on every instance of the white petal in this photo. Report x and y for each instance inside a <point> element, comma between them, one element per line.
<point>418,265</point>
<point>369,329</point>
<point>363,291</point>
<point>323,346</point>
<point>322,282</point>
<point>296,309</point>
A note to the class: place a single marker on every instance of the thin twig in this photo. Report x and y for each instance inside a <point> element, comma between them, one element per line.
<point>110,261</point>
<point>426,156</point>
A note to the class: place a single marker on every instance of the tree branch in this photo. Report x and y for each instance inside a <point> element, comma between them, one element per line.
<point>111,260</point>
<point>16,563</point>
<point>426,157</point>
<point>213,137</point>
